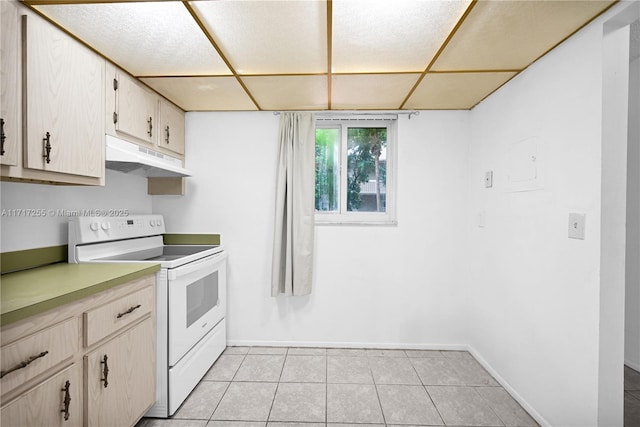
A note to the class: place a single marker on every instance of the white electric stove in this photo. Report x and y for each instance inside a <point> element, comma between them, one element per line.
<point>190,293</point>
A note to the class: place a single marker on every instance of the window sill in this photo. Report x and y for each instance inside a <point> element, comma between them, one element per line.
<point>330,222</point>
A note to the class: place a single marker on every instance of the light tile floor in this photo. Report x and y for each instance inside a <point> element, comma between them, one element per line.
<point>284,387</point>
<point>631,398</point>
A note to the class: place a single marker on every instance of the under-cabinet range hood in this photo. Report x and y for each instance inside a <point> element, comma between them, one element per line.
<point>124,156</point>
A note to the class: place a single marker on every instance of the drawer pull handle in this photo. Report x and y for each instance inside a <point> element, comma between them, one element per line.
<point>3,137</point>
<point>105,371</point>
<point>128,311</point>
<point>150,131</point>
<point>24,364</point>
<point>168,134</point>
<point>67,400</point>
<point>47,147</point>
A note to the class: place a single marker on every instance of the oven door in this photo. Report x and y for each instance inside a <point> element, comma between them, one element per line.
<point>197,302</point>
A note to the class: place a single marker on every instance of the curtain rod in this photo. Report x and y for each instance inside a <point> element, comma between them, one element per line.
<point>354,112</point>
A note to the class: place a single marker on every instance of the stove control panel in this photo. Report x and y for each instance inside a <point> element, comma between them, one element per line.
<point>92,229</point>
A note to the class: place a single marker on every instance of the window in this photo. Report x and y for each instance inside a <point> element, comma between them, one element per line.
<point>355,170</point>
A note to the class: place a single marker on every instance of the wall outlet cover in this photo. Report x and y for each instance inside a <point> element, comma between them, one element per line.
<point>577,225</point>
<point>488,179</point>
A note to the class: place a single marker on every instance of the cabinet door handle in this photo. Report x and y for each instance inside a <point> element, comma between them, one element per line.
<point>67,400</point>
<point>150,131</point>
<point>128,311</point>
<point>24,364</point>
<point>47,147</point>
<point>105,371</point>
<point>167,138</point>
<point>3,137</point>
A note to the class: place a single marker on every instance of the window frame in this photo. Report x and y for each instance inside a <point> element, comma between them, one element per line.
<point>342,216</point>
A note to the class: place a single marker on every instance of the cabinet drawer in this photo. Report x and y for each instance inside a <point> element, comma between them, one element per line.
<point>44,405</point>
<point>33,355</point>
<point>104,320</point>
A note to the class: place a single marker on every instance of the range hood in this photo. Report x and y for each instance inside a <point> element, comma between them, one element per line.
<point>127,157</point>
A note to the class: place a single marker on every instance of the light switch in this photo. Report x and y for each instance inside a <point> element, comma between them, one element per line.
<point>488,179</point>
<point>482,219</point>
<point>577,225</point>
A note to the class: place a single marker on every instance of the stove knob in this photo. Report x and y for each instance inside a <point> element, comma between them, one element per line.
<point>94,226</point>
<point>106,226</point>
<point>158,222</point>
<point>152,223</point>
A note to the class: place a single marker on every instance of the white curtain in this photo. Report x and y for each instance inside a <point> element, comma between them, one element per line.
<point>292,267</point>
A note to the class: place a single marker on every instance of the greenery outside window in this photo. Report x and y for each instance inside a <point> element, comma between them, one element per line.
<point>355,170</point>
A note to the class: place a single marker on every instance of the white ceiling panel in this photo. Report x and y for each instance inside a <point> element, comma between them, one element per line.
<point>512,34</point>
<point>289,92</point>
<point>356,91</point>
<point>269,37</point>
<point>146,39</point>
<point>390,36</point>
<point>203,93</point>
<point>455,91</point>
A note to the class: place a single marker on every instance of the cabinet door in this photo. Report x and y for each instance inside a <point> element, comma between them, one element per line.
<point>64,102</point>
<point>171,127</point>
<point>135,109</point>
<point>129,389</point>
<point>48,403</point>
<point>9,83</point>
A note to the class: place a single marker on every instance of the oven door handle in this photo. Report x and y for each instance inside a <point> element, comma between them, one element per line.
<point>196,266</point>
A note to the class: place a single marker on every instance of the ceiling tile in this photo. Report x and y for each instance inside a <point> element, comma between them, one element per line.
<point>289,92</point>
<point>390,36</point>
<point>509,35</point>
<point>203,93</point>
<point>269,37</point>
<point>146,39</point>
<point>370,91</point>
<point>455,91</point>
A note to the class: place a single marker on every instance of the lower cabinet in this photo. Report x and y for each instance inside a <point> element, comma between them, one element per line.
<point>120,378</point>
<point>53,376</point>
<point>55,402</point>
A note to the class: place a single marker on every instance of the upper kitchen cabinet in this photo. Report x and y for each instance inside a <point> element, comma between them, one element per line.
<point>9,48</point>
<point>131,108</point>
<point>171,127</point>
<point>138,114</point>
<point>63,102</point>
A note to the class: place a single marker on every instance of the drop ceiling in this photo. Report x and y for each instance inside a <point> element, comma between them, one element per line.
<point>226,55</point>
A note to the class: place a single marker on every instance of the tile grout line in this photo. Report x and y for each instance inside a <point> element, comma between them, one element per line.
<point>424,386</point>
<point>326,388</point>
<point>275,393</point>
<point>244,356</point>
<point>488,404</point>
<point>375,386</point>
<point>632,395</point>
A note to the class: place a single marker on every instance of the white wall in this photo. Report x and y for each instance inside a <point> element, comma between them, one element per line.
<point>535,292</point>
<point>122,191</point>
<point>632,293</point>
<point>373,285</point>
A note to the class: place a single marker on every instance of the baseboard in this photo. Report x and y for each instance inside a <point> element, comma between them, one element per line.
<point>527,407</point>
<point>339,344</point>
<point>633,365</point>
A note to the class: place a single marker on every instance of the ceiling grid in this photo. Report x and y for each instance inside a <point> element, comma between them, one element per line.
<point>230,55</point>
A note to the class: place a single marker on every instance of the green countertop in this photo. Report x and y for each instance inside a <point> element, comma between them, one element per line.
<point>26,293</point>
